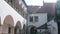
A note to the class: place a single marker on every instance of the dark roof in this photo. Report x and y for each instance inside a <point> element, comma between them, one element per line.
<point>49,7</point>
<point>33,9</point>
<point>44,26</point>
<point>46,8</point>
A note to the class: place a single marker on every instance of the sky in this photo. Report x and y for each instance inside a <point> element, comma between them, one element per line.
<point>38,2</point>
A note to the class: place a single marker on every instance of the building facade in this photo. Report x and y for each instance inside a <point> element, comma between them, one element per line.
<point>12,16</point>
<point>45,14</point>
<point>35,21</point>
<point>19,5</point>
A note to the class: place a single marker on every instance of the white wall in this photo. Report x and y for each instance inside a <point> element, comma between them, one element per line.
<point>42,19</point>
<point>5,10</point>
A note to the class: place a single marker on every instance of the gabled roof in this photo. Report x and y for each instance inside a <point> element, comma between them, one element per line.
<point>33,9</point>
<point>46,8</point>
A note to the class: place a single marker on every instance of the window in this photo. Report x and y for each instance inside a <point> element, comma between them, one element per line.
<point>36,18</point>
<point>31,19</point>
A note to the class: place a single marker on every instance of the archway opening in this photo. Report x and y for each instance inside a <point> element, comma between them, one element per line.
<point>8,25</point>
<point>18,28</point>
<point>24,29</point>
<point>33,30</point>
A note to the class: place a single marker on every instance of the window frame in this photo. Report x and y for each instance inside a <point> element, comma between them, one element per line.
<point>30,19</point>
<point>34,19</point>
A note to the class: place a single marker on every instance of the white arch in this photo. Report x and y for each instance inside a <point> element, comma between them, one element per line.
<point>18,24</point>
<point>9,20</point>
<point>6,9</point>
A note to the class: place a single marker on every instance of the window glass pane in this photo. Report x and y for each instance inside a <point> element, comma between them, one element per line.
<point>36,19</point>
<point>31,19</point>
